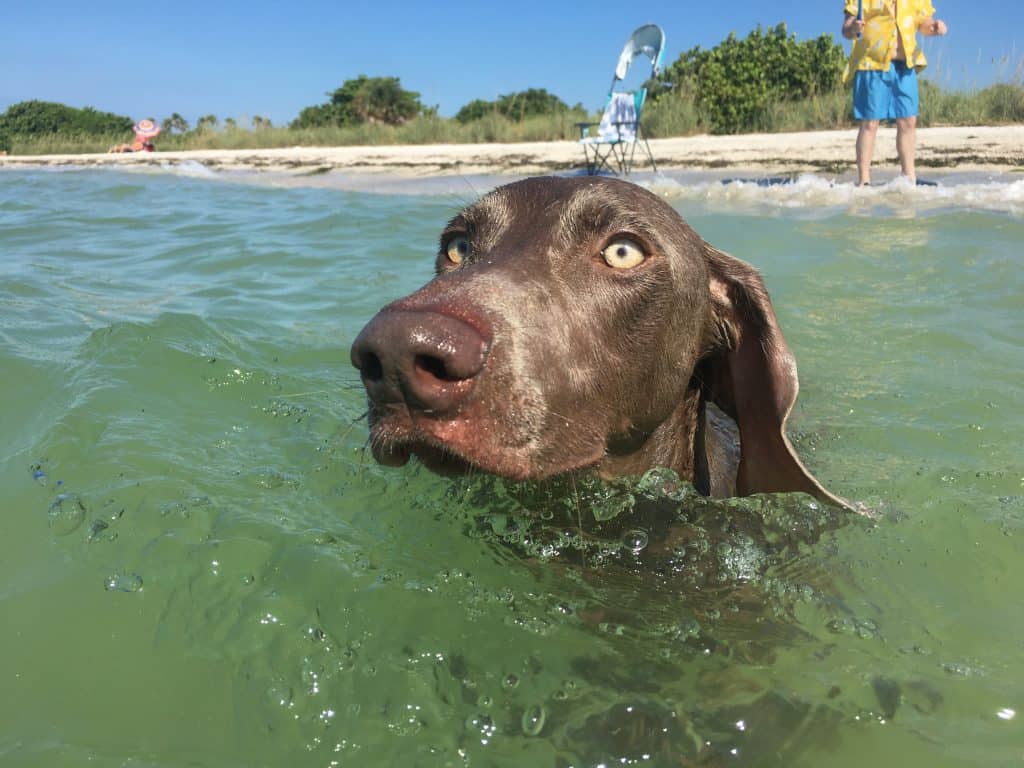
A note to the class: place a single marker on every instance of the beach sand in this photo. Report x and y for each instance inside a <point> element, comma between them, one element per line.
<point>983,148</point>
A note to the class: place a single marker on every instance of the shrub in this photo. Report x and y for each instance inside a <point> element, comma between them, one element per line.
<point>363,100</point>
<point>737,82</point>
<point>35,118</point>
<point>475,110</point>
<point>514,106</point>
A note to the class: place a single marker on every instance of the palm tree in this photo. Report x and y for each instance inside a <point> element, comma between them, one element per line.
<point>207,123</point>
<point>174,124</point>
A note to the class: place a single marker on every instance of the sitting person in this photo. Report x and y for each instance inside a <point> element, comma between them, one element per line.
<point>145,131</point>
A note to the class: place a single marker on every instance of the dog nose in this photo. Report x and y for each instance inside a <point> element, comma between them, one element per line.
<point>422,358</point>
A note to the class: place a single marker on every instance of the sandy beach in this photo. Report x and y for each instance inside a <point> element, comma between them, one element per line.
<point>983,148</point>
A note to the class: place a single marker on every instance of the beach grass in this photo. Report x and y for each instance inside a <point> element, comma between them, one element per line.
<point>424,130</point>
<point>674,114</point>
<point>998,104</point>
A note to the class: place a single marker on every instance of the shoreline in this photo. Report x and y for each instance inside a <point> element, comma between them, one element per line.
<point>971,148</point>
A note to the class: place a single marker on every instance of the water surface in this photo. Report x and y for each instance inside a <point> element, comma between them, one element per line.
<point>200,565</point>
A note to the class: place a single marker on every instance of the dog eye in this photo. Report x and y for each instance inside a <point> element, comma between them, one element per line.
<point>457,249</point>
<point>623,253</point>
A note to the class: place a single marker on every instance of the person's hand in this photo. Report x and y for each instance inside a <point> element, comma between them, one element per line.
<point>853,28</point>
<point>939,27</point>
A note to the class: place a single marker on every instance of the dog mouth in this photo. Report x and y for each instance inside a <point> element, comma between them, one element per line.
<point>436,457</point>
<point>469,444</point>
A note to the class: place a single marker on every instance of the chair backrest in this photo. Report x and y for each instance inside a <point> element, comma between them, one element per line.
<point>649,41</point>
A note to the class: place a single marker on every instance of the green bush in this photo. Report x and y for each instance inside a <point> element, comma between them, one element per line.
<point>738,82</point>
<point>37,118</point>
<point>517,106</point>
<point>475,110</point>
<point>363,100</point>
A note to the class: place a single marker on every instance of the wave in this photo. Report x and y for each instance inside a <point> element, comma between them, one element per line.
<point>805,194</point>
<point>817,193</point>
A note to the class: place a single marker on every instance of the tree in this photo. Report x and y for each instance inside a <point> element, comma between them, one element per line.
<point>174,124</point>
<point>207,123</point>
<point>230,123</point>
<point>377,100</point>
<point>363,100</point>
<point>515,106</point>
<point>261,123</point>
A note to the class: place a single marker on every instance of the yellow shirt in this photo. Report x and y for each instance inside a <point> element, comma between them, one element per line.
<point>883,20</point>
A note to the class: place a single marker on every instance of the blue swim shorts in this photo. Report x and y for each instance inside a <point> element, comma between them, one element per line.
<point>885,95</point>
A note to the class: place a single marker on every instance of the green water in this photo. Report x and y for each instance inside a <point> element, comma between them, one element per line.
<point>200,567</point>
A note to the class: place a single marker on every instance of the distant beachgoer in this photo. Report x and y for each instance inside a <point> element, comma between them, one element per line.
<point>883,64</point>
<point>145,131</point>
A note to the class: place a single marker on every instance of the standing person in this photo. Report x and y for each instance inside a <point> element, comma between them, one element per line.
<point>883,64</point>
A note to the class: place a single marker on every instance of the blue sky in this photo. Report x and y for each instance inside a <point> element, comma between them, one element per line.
<point>239,59</point>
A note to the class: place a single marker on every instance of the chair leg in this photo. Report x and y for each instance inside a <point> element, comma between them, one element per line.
<point>616,157</point>
<point>592,159</point>
<point>629,159</point>
<point>650,155</point>
<point>607,158</point>
<point>647,148</point>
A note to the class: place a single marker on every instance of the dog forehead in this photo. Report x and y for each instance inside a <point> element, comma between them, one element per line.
<point>570,209</point>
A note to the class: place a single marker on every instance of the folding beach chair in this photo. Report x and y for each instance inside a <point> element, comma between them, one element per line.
<point>613,145</point>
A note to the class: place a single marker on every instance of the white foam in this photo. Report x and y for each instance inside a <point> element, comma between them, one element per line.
<point>190,169</point>
<point>813,193</point>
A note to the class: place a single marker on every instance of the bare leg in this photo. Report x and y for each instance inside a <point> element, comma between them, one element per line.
<point>865,149</point>
<point>906,139</point>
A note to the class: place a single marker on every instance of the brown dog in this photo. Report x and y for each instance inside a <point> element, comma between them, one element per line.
<point>580,322</point>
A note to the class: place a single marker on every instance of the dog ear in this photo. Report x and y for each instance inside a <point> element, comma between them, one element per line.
<point>750,373</point>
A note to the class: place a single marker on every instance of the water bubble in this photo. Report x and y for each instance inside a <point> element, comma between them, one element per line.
<point>547,552</point>
<point>123,582</point>
<point>688,628</point>
<point>66,514</point>
<point>96,529</point>
<point>510,681</point>
<point>635,540</point>
<point>659,483</point>
<point>484,725</point>
<point>533,720</point>
<point>608,504</point>
<point>279,694</point>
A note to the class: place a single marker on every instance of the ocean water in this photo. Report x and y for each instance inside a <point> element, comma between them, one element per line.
<point>201,566</point>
